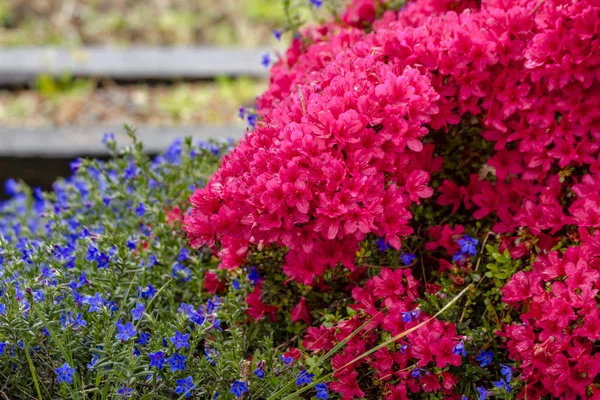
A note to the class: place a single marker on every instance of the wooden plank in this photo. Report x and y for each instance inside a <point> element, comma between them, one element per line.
<point>22,64</point>
<point>61,142</point>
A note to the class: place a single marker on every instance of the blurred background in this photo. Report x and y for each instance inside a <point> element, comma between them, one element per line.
<point>68,74</point>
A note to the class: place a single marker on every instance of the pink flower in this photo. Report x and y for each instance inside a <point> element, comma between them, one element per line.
<point>301,312</point>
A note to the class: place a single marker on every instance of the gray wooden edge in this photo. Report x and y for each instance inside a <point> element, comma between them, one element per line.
<point>61,142</point>
<point>21,64</point>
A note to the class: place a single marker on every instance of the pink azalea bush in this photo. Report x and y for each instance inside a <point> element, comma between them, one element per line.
<point>459,139</point>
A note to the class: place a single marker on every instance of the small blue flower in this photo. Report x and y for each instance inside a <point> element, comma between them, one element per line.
<point>157,359</point>
<point>78,321</point>
<point>11,187</point>
<point>252,120</point>
<point>93,361</point>
<point>140,210</point>
<point>304,378</point>
<point>235,283</point>
<point>407,258</point>
<point>485,358</point>
<point>316,3</point>
<point>2,309</point>
<point>65,373</point>
<point>322,391</point>
<point>210,355</point>
<point>138,311</point>
<point>180,340</point>
<point>124,332</point>
<point>502,385</point>
<point>266,60</point>
<point>186,309</point>
<point>108,138</point>
<point>287,360</point>
<point>254,276</point>
<point>277,34</point>
<point>185,386</point>
<point>416,373</point>
<point>259,372</point>
<point>241,112</point>
<point>383,245</point>
<point>238,388</point>
<point>506,372</point>
<point>483,394</point>
<point>183,255</point>
<point>407,316</point>
<point>468,245</point>
<point>143,339</point>
<point>96,303</point>
<point>177,362</point>
<point>3,347</point>
<point>460,349</point>
<point>125,392</point>
<point>182,273</point>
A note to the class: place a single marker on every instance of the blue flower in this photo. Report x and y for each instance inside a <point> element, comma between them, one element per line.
<point>185,386</point>
<point>186,309</point>
<point>96,303</point>
<point>3,347</point>
<point>11,187</point>
<point>485,358</point>
<point>144,338</point>
<point>468,245</point>
<point>266,60</point>
<point>383,245</point>
<point>138,311</point>
<point>140,210</point>
<point>93,361</point>
<point>287,360</point>
<point>416,373</point>
<point>65,373</point>
<point>125,332</point>
<point>252,120</point>
<point>180,340</point>
<point>407,258</point>
<point>238,388</point>
<point>459,349</point>
<point>125,392</point>
<point>503,385</point>
<point>78,321</point>
<point>177,362</point>
<point>108,138</point>
<point>407,316</point>
<point>2,309</point>
<point>241,112</point>
<point>183,255</point>
<point>506,372</point>
<point>210,355</point>
<point>182,273</point>
<point>322,391</point>
<point>254,276</point>
<point>483,394</point>
<point>304,378</point>
<point>157,359</point>
<point>277,34</point>
<point>316,3</point>
<point>235,283</point>
<point>260,371</point>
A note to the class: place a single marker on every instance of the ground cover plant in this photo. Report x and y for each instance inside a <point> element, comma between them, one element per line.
<point>414,214</point>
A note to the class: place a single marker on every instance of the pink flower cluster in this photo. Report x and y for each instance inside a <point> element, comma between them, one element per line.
<point>338,152</point>
<point>389,301</point>
<point>556,343</point>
